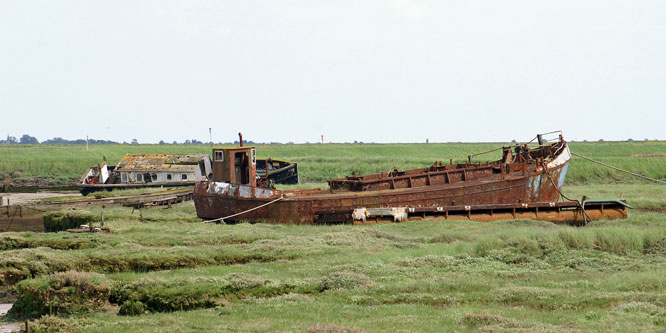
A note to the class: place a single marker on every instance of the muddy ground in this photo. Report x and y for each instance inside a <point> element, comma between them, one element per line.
<point>4,326</point>
<point>24,218</point>
<point>26,198</point>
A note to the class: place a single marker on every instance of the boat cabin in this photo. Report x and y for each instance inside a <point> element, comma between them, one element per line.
<point>162,168</point>
<point>235,165</point>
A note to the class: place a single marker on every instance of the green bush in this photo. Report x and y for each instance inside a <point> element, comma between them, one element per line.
<point>63,220</point>
<point>54,324</point>
<point>61,293</point>
<point>16,265</point>
<point>189,294</point>
<point>132,308</point>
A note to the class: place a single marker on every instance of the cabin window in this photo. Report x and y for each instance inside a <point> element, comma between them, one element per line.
<point>183,177</point>
<point>254,156</point>
<point>168,176</point>
<point>123,177</point>
<point>139,177</point>
<point>219,156</point>
<point>153,176</point>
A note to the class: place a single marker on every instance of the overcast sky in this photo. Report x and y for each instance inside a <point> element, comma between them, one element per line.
<point>372,71</point>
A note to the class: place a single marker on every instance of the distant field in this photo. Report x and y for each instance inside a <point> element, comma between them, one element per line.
<point>61,164</point>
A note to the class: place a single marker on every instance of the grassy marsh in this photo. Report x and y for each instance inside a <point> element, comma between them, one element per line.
<point>170,270</point>
<point>58,164</point>
<point>429,275</point>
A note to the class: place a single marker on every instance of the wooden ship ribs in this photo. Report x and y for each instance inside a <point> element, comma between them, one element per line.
<point>526,180</point>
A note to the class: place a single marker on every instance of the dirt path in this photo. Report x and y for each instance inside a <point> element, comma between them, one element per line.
<point>22,198</point>
<point>8,327</point>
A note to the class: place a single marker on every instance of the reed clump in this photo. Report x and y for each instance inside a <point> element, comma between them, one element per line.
<point>62,293</point>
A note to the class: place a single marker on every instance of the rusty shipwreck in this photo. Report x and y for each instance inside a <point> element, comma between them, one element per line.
<point>524,183</point>
<point>173,170</point>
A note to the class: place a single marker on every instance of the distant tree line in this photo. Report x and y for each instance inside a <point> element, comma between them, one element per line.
<point>27,139</point>
<point>78,141</point>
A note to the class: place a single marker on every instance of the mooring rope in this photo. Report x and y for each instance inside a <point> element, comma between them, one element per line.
<point>243,212</point>
<point>618,169</point>
<point>582,207</point>
<point>17,209</point>
<point>12,217</point>
<point>485,152</point>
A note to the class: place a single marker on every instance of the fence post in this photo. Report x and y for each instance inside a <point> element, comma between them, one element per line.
<point>102,217</point>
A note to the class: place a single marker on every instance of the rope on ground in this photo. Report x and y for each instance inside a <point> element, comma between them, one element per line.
<point>243,212</point>
<point>33,208</point>
<point>618,169</point>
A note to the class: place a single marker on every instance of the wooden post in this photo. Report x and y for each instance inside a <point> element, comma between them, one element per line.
<point>102,216</point>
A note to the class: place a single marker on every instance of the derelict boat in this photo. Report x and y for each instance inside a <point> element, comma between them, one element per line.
<point>524,183</point>
<point>172,170</point>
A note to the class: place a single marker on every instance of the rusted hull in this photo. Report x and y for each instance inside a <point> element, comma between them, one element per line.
<point>528,176</point>
<point>332,207</point>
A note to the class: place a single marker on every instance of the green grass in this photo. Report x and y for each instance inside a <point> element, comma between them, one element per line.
<point>429,275</point>
<point>170,271</point>
<point>59,164</point>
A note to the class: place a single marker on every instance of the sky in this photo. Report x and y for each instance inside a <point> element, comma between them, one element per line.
<point>371,71</point>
